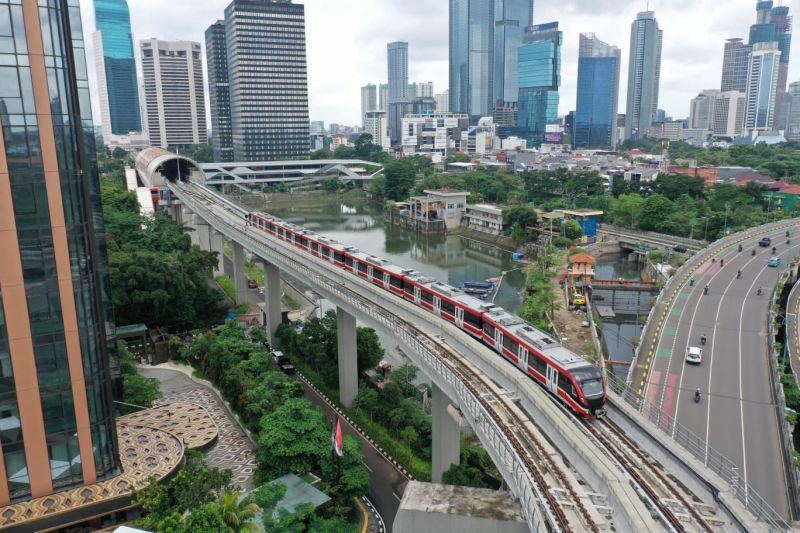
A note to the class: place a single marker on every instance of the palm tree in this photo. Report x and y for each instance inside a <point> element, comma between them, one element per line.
<point>237,514</point>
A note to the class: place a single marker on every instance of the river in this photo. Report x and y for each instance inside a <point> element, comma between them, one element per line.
<point>353,221</point>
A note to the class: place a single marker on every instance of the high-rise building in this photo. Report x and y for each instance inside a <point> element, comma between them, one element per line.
<point>219,96</point>
<point>701,110</point>
<point>398,87</point>
<point>369,101</point>
<point>728,114</point>
<point>734,65</point>
<point>383,97</point>
<point>793,126</point>
<point>116,69</point>
<point>422,89</point>
<point>174,94</point>
<point>267,79</point>
<point>510,20</point>
<point>443,102</point>
<point>598,94</point>
<point>762,88</point>
<point>57,426</point>
<point>644,74</point>
<point>375,125</point>
<point>539,77</point>
<point>774,25</point>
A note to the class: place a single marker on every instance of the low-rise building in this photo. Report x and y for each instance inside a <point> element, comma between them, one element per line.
<point>485,218</point>
<point>445,206</point>
<point>433,133</point>
<point>337,140</point>
<point>641,175</point>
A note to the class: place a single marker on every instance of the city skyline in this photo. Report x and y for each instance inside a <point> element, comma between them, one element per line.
<point>367,25</point>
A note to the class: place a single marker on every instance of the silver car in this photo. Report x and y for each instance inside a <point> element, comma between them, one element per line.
<point>694,355</point>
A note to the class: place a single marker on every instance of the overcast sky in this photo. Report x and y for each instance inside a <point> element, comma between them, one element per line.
<point>347,42</point>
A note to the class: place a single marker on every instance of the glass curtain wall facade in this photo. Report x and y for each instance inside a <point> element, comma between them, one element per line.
<point>267,73</point>
<point>459,55</point>
<point>598,94</point>
<point>219,96</point>
<point>56,325</point>
<point>511,17</point>
<point>734,66</point>
<point>113,22</point>
<point>644,75</point>
<point>397,62</point>
<point>762,88</point>
<point>539,77</point>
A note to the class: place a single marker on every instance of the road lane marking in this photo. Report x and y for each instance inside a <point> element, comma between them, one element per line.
<point>367,467</point>
<point>396,496</point>
<point>664,353</point>
<point>671,382</point>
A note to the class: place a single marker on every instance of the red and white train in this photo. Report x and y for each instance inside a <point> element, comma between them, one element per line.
<point>561,372</point>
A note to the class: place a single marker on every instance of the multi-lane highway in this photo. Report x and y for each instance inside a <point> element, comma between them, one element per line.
<point>736,415</point>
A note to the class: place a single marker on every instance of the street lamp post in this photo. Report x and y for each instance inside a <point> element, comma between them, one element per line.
<point>725,226</point>
<point>705,233</point>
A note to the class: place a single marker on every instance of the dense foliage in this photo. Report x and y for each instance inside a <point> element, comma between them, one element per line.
<point>157,277</point>
<point>137,390</point>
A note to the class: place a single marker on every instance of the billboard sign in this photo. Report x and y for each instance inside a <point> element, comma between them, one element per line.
<point>555,137</point>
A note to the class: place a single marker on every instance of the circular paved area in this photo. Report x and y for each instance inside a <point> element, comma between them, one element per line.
<point>233,449</point>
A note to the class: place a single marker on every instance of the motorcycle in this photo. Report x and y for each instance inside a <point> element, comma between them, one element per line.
<point>740,247</point>
<point>754,252</point>
<point>705,289</point>
<point>758,292</point>
<point>738,274</point>
<point>703,340</point>
<point>697,396</point>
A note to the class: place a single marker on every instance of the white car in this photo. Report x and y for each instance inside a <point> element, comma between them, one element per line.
<point>694,355</point>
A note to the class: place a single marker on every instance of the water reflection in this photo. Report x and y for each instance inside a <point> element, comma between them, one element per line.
<point>448,258</point>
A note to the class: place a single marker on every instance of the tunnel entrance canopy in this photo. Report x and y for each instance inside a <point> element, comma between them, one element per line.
<point>157,166</point>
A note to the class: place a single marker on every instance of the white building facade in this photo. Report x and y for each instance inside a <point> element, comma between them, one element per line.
<point>174,95</point>
<point>762,88</point>
<point>438,133</point>
<point>375,124</point>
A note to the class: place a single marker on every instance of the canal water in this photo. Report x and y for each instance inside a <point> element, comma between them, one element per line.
<point>450,259</point>
<point>621,334</point>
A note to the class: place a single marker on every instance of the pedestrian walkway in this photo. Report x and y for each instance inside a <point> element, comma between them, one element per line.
<point>233,449</point>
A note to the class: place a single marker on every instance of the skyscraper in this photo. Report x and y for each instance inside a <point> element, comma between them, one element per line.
<point>116,69</point>
<point>383,97</point>
<point>510,20</point>
<point>734,65</point>
<point>267,77</point>
<point>442,101</point>
<point>598,94</point>
<point>701,110</point>
<point>762,88</point>
<point>174,93</point>
<point>369,101</point>
<point>539,77</point>
<point>398,87</point>
<point>793,126</point>
<point>56,411</point>
<point>219,96</point>
<point>728,114</point>
<point>644,74</point>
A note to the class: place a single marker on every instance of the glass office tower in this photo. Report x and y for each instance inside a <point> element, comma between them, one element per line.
<point>598,94</point>
<point>56,411</point>
<point>118,86</point>
<point>539,77</point>
<point>397,62</point>
<point>219,96</point>
<point>644,75</point>
<point>510,20</point>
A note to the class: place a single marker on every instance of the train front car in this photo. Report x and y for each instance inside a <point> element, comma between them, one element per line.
<point>591,388</point>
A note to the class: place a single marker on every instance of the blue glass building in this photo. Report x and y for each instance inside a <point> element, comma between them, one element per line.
<point>538,77</point>
<point>121,90</point>
<point>510,20</point>
<point>598,94</point>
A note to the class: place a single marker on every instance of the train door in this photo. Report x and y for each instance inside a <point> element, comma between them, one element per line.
<point>498,339</point>
<point>552,379</point>
<point>369,273</point>
<point>459,317</point>
<point>437,305</point>
<point>386,281</point>
<point>523,358</point>
<point>417,295</point>
<point>331,257</point>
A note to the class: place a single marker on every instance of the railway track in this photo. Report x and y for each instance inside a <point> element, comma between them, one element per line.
<point>659,488</point>
<point>538,460</point>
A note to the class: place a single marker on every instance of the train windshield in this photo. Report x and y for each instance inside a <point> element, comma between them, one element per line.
<point>590,381</point>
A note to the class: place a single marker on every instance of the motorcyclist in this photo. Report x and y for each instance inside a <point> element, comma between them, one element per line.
<point>697,395</point>
<point>740,247</point>
<point>721,262</point>
<point>753,252</point>
<point>758,292</point>
<point>774,249</point>
<point>703,339</point>
<point>705,289</point>
<point>738,274</point>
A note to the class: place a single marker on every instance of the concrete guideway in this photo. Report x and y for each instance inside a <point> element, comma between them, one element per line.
<point>793,329</point>
<point>650,238</point>
<point>737,429</point>
<point>470,390</point>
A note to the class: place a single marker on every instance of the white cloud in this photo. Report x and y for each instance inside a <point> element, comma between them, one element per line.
<point>347,42</point>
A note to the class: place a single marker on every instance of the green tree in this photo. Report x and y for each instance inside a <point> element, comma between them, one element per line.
<point>626,209</point>
<point>572,230</point>
<point>236,513</point>
<point>346,475</point>
<point>367,400</point>
<point>203,518</point>
<point>272,390</point>
<point>139,391</point>
<point>322,153</point>
<point>655,210</point>
<point>331,185</point>
<point>521,215</point>
<point>464,476</point>
<point>292,439</point>
<point>368,349</point>
<point>400,175</point>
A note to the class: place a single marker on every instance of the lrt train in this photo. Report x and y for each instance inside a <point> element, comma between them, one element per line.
<point>564,374</point>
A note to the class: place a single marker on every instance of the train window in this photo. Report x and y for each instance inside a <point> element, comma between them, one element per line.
<point>472,320</point>
<point>488,329</point>
<point>565,383</point>
<point>303,241</point>
<point>314,247</point>
<point>427,297</point>
<point>337,256</point>
<point>537,363</point>
<point>362,267</point>
<point>510,344</point>
<point>347,260</point>
<point>396,282</point>
<point>408,287</point>
<point>448,308</point>
<point>280,232</point>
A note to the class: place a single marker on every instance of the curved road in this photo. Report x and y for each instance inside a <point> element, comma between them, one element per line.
<point>736,414</point>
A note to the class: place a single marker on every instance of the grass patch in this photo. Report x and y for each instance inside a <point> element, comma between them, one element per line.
<point>241,309</point>
<point>254,271</point>
<point>227,286</point>
<point>289,302</point>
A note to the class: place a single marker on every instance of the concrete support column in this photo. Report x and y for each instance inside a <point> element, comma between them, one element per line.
<point>272,295</point>
<point>202,229</point>
<point>446,447</point>
<point>215,243</point>
<point>188,220</point>
<point>348,359</point>
<point>239,275</point>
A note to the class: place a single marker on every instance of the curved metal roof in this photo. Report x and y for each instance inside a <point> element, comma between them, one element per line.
<point>154,160</point>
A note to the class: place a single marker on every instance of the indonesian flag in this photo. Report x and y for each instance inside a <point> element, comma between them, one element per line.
<point>336,439</point>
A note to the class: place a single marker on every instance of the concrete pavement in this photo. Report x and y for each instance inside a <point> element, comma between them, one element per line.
<point>736,415</point>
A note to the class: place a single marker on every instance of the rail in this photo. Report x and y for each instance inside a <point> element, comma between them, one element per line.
<point>511,444</point>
